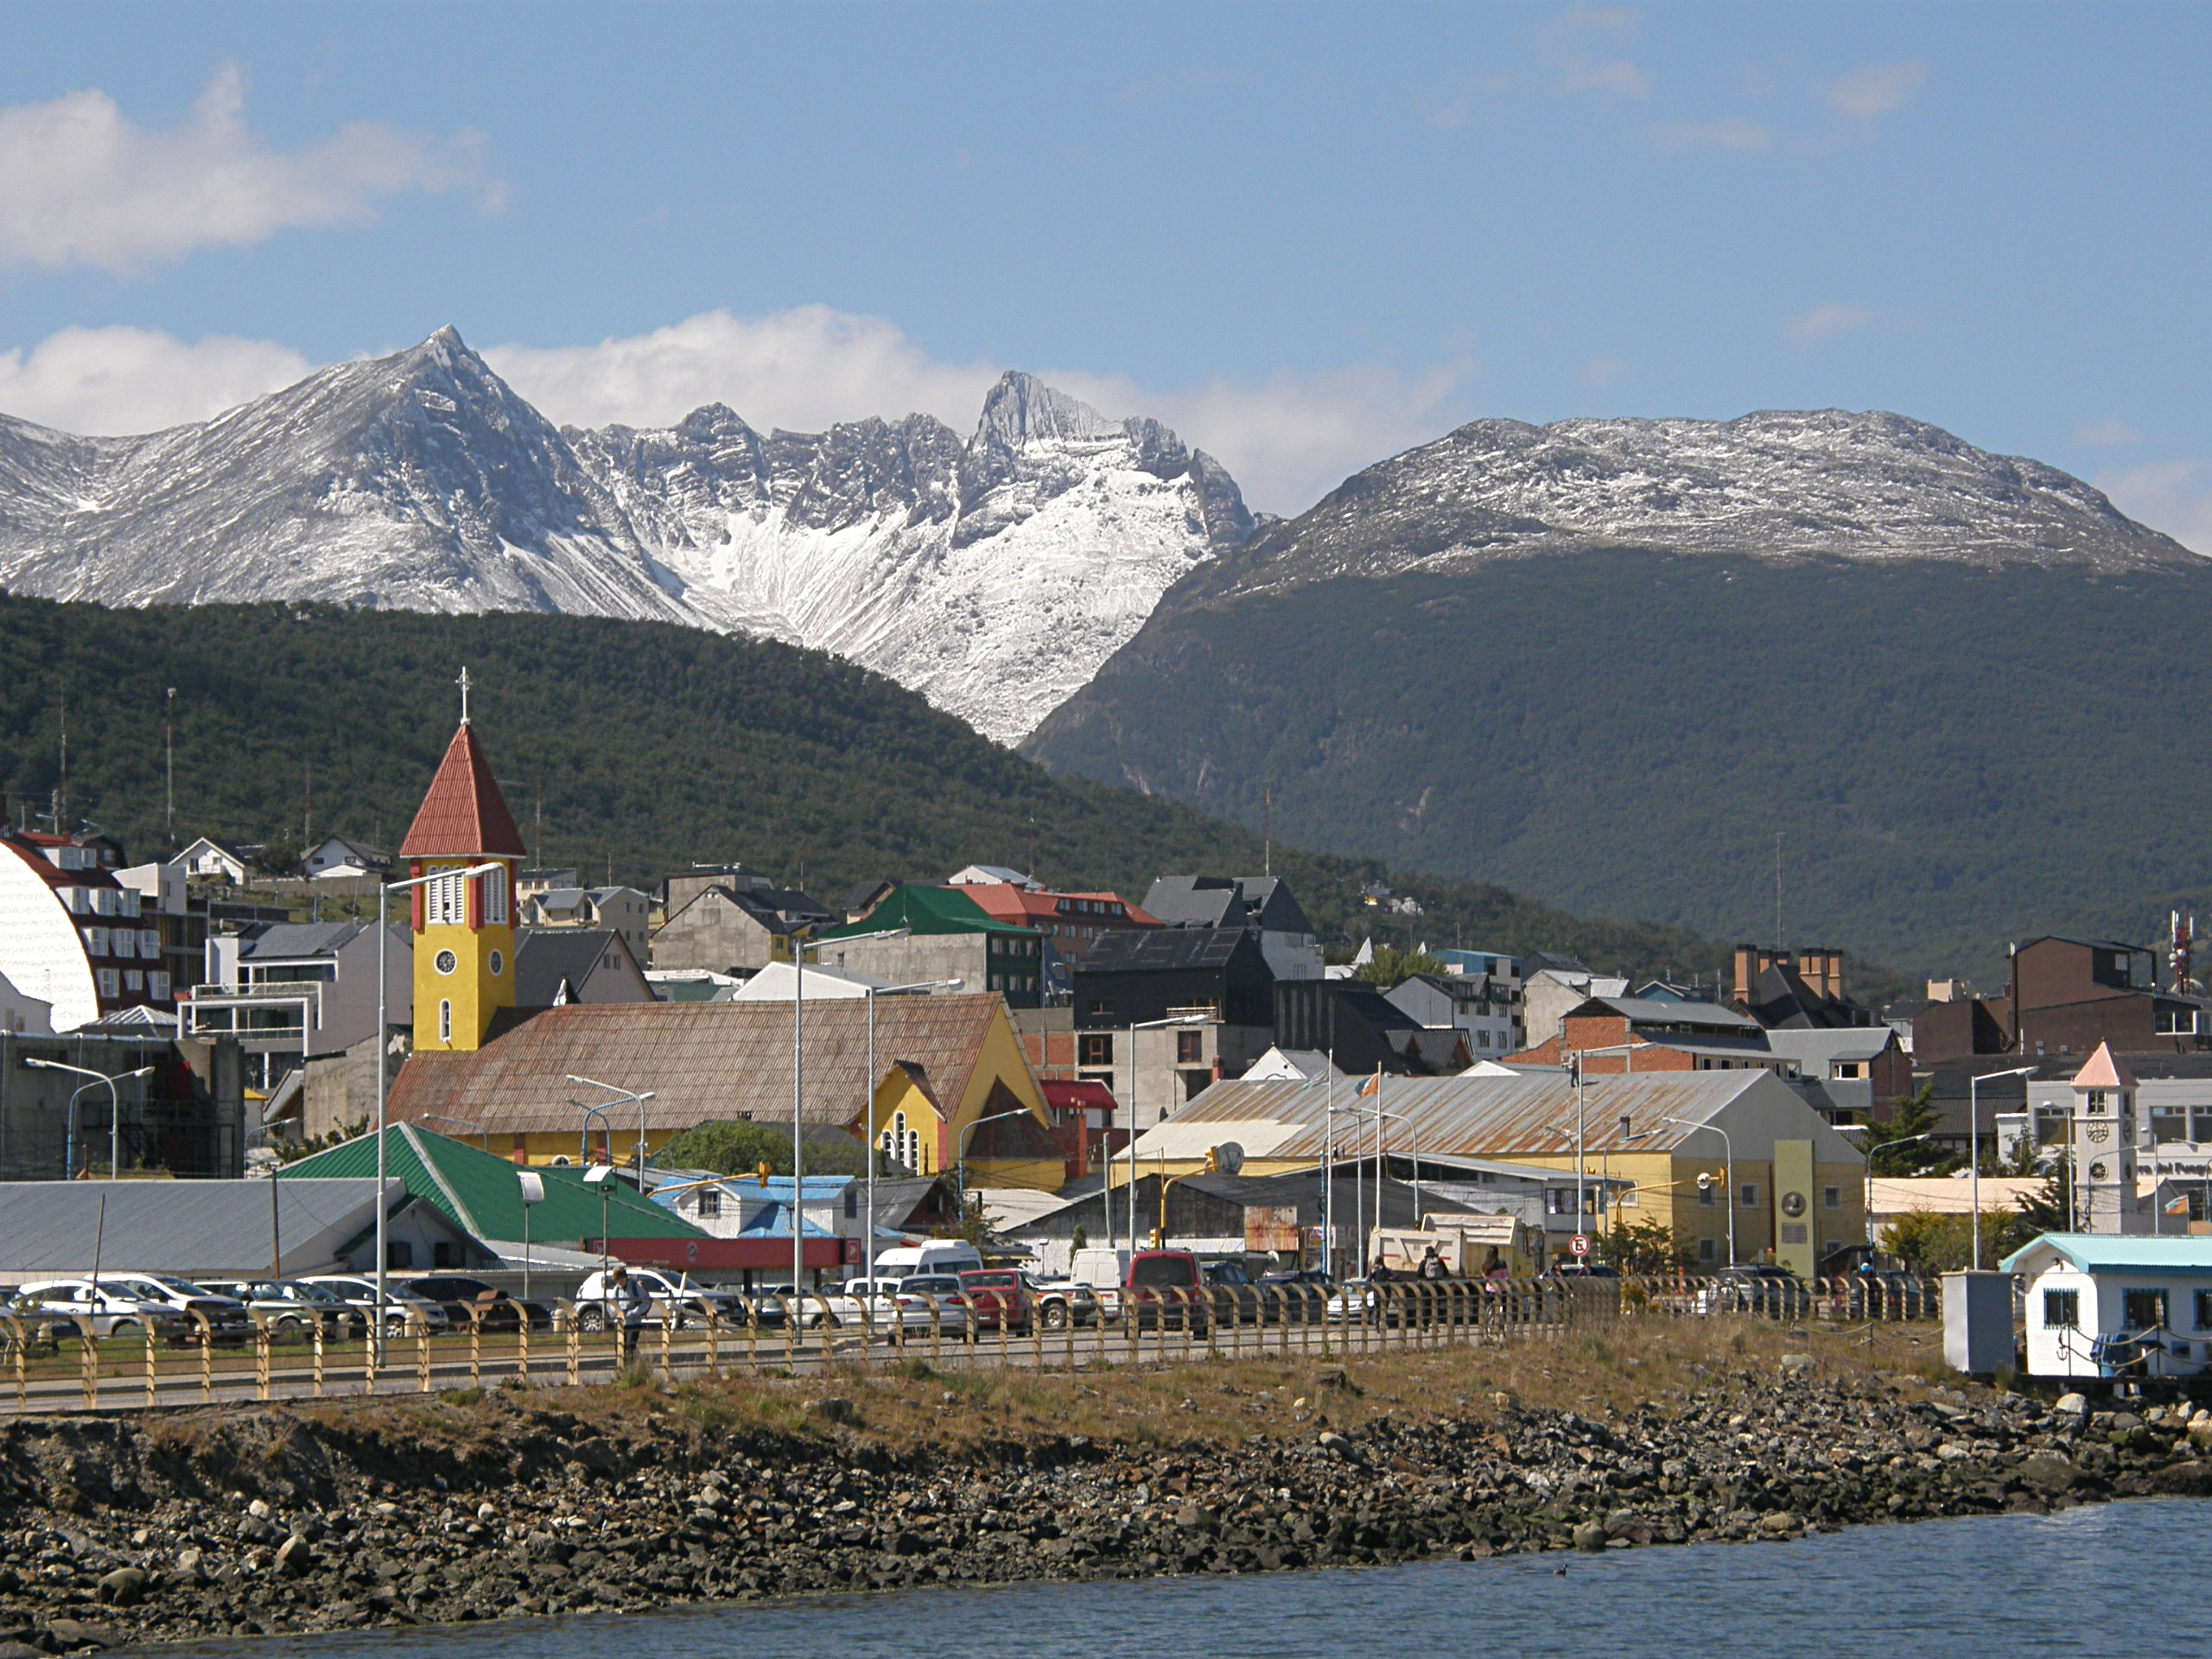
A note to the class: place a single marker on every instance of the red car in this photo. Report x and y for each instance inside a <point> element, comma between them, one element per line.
<point>998,1300</point>
<point>1164,1288</point>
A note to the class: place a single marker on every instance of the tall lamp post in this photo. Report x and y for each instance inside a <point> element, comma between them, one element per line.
<point>1973,1148</point>
<point>1728,1149</point>
<point>384,890</point>
<point>960,1155</point>
<point>1873,1153</point>
<point>868,1112</point>
<point>114,1110</point>
<point>1136,1026</point>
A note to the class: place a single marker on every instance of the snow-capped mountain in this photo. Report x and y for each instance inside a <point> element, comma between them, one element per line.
<point>1772,486</point>
<point>992,573</point>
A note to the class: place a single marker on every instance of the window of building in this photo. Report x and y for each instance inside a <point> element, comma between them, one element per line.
<point>1831,1198</point>
<point>1194,1084</point>
<point>2204,1310</point>
<point>1094,1048</point>
<point>157,987</point>
<point>710,1203</point>
<point>95,941</point>
<point>445,1022</point>
<point>1708,1249</point>
<point>123,943</point>
<point>445,901</point>
<point>111,983</point>
<point>1629,1199</point>
<point>1190,1047</point>
<point>1706,1189</point>
<point>2062,1310</point>
<point>134,982</point>
<point>494,894</point>
<point>2143,1310</point>
<point>399,1253</point>
<point>1749,1197</point>
<point>2096,1102</point>
<point>2169,1123</point>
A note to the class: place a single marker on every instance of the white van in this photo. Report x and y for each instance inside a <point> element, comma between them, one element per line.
<point>1103,1271</point>
<point>930,1255</point>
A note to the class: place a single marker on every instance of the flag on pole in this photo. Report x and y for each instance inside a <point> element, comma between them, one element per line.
<point>1373,1085</point>
<point>2177,1206</point>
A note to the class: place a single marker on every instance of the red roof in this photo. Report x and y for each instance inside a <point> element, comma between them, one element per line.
<point>464,813</point>
<point>1073,1094</point>
<point>2104,1070</point>
<point>1028,906</point>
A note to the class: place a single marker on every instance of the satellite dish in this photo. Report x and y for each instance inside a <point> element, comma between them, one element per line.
<point>1229,1157</point>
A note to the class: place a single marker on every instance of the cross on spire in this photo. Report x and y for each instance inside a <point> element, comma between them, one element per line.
<point>463,683</point>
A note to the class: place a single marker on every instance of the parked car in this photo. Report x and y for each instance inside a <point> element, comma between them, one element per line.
<point>1305,1293</point>
<point>110,1312</point>
<point>1166,1289</point>
<point>225,1315</point>
<point>878,1304</point>
<point>1755,1288</point>
<point>1883,1296</point>
<point>692,1304</point>
<point>1061,1302</point>
<point>293,1307</point>
<point>944,1293</point>
<point>402,1307</point>
<point>996,1299</point>
<point>495,1309</point>
<point>1236,1296</point>
<point>1103,1270</point>
<point>1583,1267</point>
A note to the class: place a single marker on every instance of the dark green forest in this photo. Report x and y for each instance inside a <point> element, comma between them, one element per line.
<point>1952,756</point>
<point>628,749</point>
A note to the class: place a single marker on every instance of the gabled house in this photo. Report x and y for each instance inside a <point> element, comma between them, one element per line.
<point>624,910</point>
<point>291,991</point>
<point>1629,1034</point>
<point>1487,1010</point>
<point>1799,991</point>
<point>555,966</point>
<point>338,856</point>
<point>220,861</point>
<point>1261,904</point>
<point>1214,982</point>
<point>1362,1030</point>
<point>729,920</point>
<point>918,934</point>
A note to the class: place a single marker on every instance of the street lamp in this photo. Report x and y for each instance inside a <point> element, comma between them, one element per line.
<point>1973,1145</point>
<point>1728,1147</point>
<point>114,1110</point>
<point>1136,1026</point>
<point>623,1097</point>
<point>384,890</point>
<point>868,1246</point>
<point>583,1132</point>
<point>1871,1153</point>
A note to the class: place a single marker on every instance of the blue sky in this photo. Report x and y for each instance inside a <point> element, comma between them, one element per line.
<point>1306,236</point>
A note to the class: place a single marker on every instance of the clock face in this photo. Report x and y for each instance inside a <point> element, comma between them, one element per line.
<point>498,964</point>
<point>445,962</point>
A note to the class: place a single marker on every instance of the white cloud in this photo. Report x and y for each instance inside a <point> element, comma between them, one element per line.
<point>1865,94</point>
<point>80,185</point>
<point>2114,434</point>
<point>1825,322</point>
<point>803,369</point>
<point>2175,496</point>
<point>119,380</point>
<point>1567,49</point>
<point>1731,132</point>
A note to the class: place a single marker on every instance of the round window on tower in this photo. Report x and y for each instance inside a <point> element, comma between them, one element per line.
<point>445,962</point>
<point>498,964</point>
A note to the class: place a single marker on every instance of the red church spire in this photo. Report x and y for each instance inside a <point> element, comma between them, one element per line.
<point>464,815</point>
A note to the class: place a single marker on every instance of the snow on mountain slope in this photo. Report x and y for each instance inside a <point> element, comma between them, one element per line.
<point>992,573</point>
<point>1823,483</point>
<point>993,576</point>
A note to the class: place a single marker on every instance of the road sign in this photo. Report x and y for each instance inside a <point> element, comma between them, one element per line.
<point>1580,1244</point>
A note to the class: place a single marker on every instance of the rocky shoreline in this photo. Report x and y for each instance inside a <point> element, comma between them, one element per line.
<point>123,1531</point>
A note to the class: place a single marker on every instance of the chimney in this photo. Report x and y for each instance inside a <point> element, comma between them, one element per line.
<point>1835,975</point>
<point>1744,970</point>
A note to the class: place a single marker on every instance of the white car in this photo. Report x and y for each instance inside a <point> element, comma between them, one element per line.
<point>877,1303</point>
<point>225,1315</point>
<point>599,1305</point>
<point>110,1311</point>
<point>403,1309</point>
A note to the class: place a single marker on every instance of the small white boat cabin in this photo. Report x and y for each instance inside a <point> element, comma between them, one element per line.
<point>2118,1307</point>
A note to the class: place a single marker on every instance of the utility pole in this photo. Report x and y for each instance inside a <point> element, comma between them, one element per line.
<point>168,763</point>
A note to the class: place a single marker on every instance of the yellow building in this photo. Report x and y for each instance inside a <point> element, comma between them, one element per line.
<point>950,1064</point>
<point>1700,1148</point>
<point>463,923</point>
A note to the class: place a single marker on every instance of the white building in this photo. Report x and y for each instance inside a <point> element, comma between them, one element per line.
<point>2167,1124</point>
<point>2101,1305</point>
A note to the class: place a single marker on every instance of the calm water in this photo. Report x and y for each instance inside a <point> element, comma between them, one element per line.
<point>2093,1581</point>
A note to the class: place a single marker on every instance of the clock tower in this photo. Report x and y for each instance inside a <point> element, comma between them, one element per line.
<point>463,925</point>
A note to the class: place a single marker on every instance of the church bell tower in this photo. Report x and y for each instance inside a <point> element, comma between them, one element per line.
<point>463,925</point>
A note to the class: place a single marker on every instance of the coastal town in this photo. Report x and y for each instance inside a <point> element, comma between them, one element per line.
<point>448,1083</point>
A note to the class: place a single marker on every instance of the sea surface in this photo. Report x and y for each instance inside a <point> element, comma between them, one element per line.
<point>2103,1579</point>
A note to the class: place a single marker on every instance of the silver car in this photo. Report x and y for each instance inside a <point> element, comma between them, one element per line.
<point>403,1309</point>
<point>109,1311</point>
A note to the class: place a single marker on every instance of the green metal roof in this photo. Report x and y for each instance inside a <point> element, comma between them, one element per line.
<point>2120,1253</point>
<point>927,910</point>
<point>478,1192</point>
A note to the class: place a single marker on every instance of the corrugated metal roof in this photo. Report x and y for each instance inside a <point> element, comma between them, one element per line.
<point>703,1061</point>
<point>2113,1253</point>
<point>1485,1116</point>
<point>203,1229</point>
<point>1658,1012</point>
<point>1134,950</point>
<point>479,1194</point>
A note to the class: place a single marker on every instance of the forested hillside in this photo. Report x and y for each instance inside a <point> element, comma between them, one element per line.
<point>628,749</point>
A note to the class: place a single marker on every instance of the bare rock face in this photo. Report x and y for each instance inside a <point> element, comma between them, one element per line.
<point>993,574</point>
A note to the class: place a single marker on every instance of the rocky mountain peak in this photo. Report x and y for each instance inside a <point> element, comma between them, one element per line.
<point>1022,409</point>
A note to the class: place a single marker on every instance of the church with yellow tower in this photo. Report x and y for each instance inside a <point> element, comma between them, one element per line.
<point>464,923</point>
